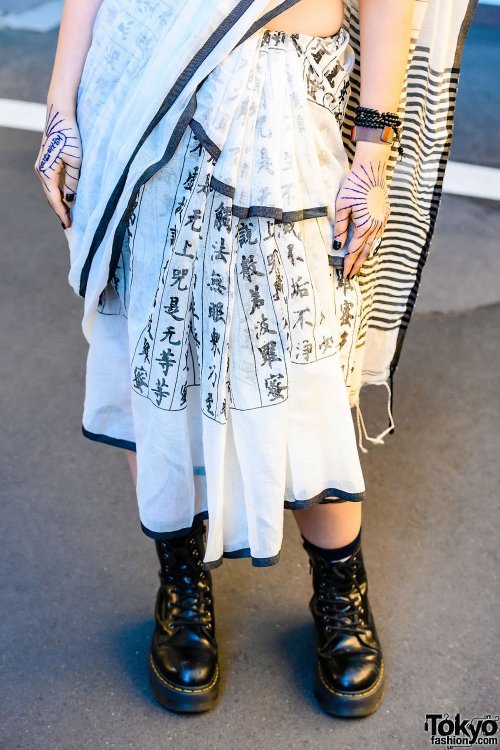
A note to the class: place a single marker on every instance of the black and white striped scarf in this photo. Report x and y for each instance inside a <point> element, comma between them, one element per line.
<point>390,280</point>
<point>132,128</point>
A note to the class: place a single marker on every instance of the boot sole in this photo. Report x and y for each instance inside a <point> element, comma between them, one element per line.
<point>348,704</point>
<point>185,700</point>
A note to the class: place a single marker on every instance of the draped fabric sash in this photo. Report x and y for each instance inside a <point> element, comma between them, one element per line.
<point>147,60</point>
<point>390,281</point>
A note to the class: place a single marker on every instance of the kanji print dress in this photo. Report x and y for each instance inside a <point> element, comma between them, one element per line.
<point>223,347</point>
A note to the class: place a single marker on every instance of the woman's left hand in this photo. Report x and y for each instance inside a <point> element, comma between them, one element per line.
<point>362,199</point>
<point>59,159</point>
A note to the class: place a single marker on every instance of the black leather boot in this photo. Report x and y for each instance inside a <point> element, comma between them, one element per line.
<point>183,659</point>
<point>349,675</point>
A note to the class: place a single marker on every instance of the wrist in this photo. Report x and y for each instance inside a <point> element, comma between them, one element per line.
<point>63,97</point>
<point>368,150</point>
<point>376,131</point>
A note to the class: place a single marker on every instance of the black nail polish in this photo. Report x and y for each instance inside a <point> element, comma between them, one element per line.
<point>63,226</point>
<point>70,197</point>
<point>337,245</point>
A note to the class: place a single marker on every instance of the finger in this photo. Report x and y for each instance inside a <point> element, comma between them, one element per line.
<point>54,196</point>
<point>341,226</point>
<point>376,244</point>
<point>71,177</point>
<point>377,238</point>
<point>369,230</point>
<point>362,256</point>
<point>372,239</point>
<point>361,235</point>
<point>351,256</point>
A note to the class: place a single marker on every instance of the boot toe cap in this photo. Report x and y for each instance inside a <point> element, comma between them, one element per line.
<point>189,669</point>
<point>350,674</point>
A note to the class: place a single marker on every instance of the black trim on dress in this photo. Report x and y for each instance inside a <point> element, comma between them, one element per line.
<point>167,103</point>
<point>325,497</point>
<point>116,442</point>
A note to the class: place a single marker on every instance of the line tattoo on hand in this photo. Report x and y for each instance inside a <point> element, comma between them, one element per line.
<point>60,148</point>
<point>364,198</point>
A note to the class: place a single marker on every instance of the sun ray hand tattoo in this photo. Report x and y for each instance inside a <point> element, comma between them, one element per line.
<point>61,149</point>
<point>363,201</point>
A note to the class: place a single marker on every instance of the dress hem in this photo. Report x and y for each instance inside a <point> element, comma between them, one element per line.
<point>116,442</point>
<point>257,562</point>
<point>322,498</point>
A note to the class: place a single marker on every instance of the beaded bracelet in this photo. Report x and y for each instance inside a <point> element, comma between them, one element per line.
<point>372,125</point>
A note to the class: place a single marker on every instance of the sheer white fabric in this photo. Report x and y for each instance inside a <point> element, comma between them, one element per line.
<point>137,96</point>
<point>223,345</point>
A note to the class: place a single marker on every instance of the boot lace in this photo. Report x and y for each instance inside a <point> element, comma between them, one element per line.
<point>191,590</point>
<point>340,599</point>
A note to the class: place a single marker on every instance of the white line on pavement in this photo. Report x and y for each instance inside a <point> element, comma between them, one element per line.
<point>44,17</point>
<point>472,180</point>
<point>22,115</point>
<point>460,179</point>
<point>47,14</point>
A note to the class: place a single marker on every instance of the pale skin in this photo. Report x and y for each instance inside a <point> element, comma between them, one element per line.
<point>385,27</point>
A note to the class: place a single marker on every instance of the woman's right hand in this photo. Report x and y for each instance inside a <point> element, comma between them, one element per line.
<point>59,160</point>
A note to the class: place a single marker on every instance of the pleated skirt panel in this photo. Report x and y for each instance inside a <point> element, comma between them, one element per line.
<point>222,353</point>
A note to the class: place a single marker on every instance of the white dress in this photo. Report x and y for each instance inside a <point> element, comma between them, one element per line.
<point>223,350</point>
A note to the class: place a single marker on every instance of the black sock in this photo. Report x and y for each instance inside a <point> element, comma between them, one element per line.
<point>333,554</point>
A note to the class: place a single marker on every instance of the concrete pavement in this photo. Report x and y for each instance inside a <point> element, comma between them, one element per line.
<point>79,577</point>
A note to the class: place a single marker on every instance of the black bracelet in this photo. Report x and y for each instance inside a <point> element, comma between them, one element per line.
<point>372,118</point>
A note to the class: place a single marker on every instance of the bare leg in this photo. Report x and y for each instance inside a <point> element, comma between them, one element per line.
<point>132,462</point>
<point>333,525</point>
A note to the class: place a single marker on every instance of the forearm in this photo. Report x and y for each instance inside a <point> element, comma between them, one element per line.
<point>385,31</point>
<point>75,35</point>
